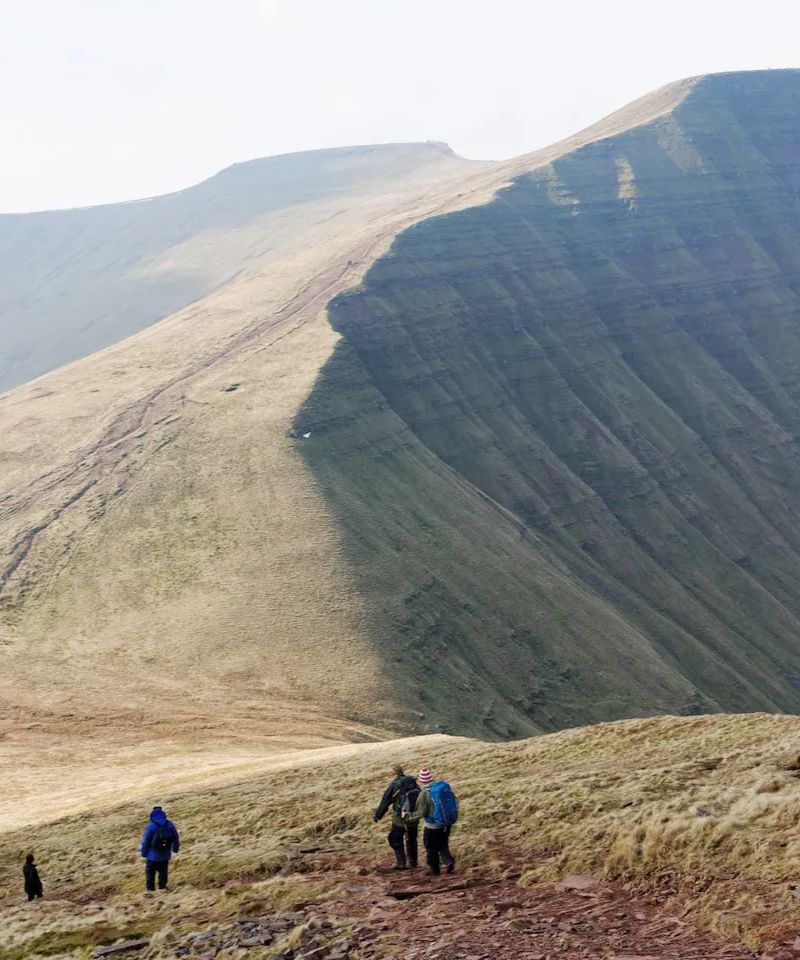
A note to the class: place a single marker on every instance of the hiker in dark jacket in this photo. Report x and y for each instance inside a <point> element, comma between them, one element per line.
<point>401,793</point>
<point>159,842</point>
<point>33,885</point>
<point>435,836</point>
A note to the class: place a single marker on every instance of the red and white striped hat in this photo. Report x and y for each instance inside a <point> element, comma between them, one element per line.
<point>425,777</point>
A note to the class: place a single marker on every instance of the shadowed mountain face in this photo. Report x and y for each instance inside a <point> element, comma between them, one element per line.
<point>561,431</point>
<point>73,281</point>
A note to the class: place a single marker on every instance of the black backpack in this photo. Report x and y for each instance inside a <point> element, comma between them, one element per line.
<point>161,840</point>
<point>405,796</point>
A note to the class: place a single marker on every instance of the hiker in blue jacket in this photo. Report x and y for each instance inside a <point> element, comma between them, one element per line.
<point>159,842</point>
<point>438,806</point>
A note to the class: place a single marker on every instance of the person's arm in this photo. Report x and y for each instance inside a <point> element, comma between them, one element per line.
<point>421,809</point>
<point>386,802</point>
<point>176,840</point>
<point>147,836</point>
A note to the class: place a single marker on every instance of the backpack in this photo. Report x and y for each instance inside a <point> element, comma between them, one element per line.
<point>445,804</point>
<point>162,838</point>
<point>405,796</point>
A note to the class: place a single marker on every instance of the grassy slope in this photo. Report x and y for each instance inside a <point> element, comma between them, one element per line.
<point>169,563</point>
<point>703,805</point>
<point>74,281</point>
<point>606,351</point>
<point>183,573</point>
<point>488,530</point>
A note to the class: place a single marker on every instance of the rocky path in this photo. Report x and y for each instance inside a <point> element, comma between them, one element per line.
<point>575,919</point>
<point>379,914</point>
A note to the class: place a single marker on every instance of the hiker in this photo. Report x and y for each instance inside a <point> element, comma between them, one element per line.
<point>159,842</point>
<point>33,884</point>
<point>401,795</point>
<point>438,806</point>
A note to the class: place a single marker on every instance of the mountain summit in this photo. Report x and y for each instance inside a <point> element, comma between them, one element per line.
<point>74,281</point>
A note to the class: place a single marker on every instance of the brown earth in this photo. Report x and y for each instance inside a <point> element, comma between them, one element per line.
<point>379,913</point>
<point>475,920</point>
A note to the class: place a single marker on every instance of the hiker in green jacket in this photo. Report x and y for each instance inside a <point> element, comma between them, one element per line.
<point>438,806</point>
<point>401,795</point>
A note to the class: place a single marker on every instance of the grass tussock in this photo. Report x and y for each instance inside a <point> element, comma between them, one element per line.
<point>704,807</point>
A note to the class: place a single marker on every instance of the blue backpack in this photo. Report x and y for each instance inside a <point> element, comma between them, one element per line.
<point>445,805</point>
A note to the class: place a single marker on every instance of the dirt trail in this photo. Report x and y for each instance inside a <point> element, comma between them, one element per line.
<point>380,914</point>
<point>476,921</point>
<point>503,919</point>
<point>111,449</point>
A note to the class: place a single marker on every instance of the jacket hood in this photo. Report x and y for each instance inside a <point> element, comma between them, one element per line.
<point>157,815</point>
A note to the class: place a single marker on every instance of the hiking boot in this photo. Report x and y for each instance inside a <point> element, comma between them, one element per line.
<point>451,866</point>
<point>413,864</point>
<point>434,873</point>
<point>399,866</point>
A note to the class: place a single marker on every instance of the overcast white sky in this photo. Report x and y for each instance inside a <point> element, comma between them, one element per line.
<point>108,100</point>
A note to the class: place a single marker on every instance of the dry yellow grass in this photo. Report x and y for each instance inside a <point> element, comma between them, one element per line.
<point>704,806</point>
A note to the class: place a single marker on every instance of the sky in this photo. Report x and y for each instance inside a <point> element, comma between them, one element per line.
<point>109,100</point>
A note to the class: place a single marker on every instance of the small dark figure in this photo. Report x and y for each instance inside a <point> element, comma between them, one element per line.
<point>33,885</point>
<point>159,842</point>
<point>401,795</point>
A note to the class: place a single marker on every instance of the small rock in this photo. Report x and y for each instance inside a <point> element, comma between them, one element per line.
<point>127,947</point>
<point>580,881</point>
<point>506,904</point>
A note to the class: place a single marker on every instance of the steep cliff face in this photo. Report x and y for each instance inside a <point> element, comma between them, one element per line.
<point>560,433</point>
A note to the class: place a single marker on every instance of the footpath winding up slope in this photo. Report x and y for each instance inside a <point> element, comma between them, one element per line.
<point>543,474</point>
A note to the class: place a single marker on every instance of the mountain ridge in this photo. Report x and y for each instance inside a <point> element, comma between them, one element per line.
<point>99,274</point>
<point>465,542</point>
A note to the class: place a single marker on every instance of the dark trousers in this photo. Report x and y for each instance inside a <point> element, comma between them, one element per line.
<point>437,848</point>
<point>402,839</point>
<point>151,869</point>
